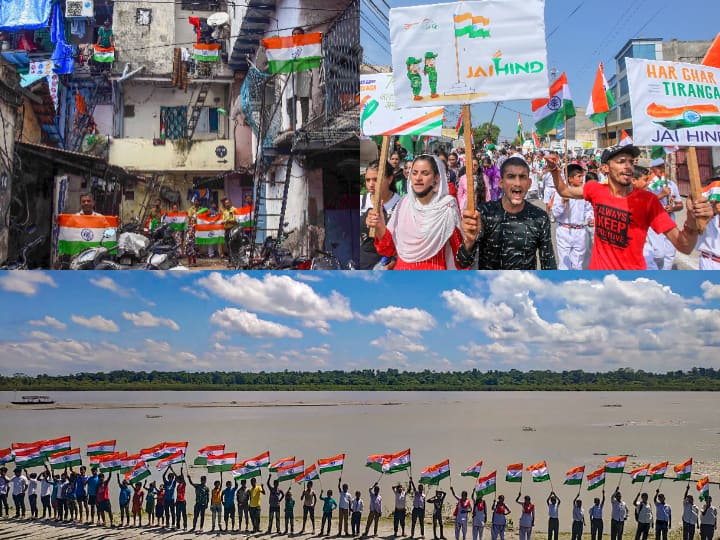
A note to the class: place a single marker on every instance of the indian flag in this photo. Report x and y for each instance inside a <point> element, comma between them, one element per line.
<point>703,486</point>
<point>397,462</point>
<point>138,473</point>
<point>104,54</point>
<point>639,474</point>
<point>66,458</point>
<point>514,472</point>
<point>549,113</point>
<point>596,478</point>
<point>574,476</point>
<point>433,474</point>
<point>209,230</point>
<point>334,463</point>
<point>55,445</point>
<point>6,456</point>
<point>657,472</point>
<point>539,472</point>
<point>207,52</point>
<point>375,461</point>
<point>473,471</point>
<point>308,474</point>
<point>625,139</point>
<point>175,457</point>
<point>486,484</point>
<point>290,472</point>
<point>293,53</point>
<point>221,462</point>
<point>30,456</point>
<point>466,24</point>
<point>601,99</point>
<point>244,216</point>
<point>177,220</point>
<point>280,463</point>
<point>99,448</point>
<point>536,140</point>
<point>78,232</point>
<point>153,453</point>
<point>520,134</point>
<point>263,460</point>
<point>241,471</point>
<point>615,464</point>
<point>25,445</point>
<point>205,451</point>
<point>683,470</point>
<point>111,462</point>
<point>170,448</point>
<point>712,191</point>
<point>129,462</point>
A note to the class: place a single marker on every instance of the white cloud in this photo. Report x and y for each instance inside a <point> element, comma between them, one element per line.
<point>398,342</point>
<point>307,276</point>
<point>193,291</point>
<point>711,291</point>
<point>96,323</point>
<point>394,358</point>
<point>321,326</point>
<point>237,320</point>
<point>148,320</point>
<point>409,321</point>
<point>221,336</point>
<point>36,334</point>
<point>109,284</point>
<point>25,282</point>
<point>49,321</point>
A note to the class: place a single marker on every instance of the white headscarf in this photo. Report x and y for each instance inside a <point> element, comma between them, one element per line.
<point>419,230</point>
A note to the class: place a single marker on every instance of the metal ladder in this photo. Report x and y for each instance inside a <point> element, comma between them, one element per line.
<point>78,133</point>
<point>197,109</point>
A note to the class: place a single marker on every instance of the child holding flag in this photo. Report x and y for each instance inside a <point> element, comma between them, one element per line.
<point>124,500</point>
<point>578,522</point>
<point>462,509</point>
<point>137,500</point>
<point>499,521</point>
<point>690,516</point>
<point>329,505</point>
<point>150,502</point>
<point>553,504</point>
<point>527,518</point>
<point>289,512</point>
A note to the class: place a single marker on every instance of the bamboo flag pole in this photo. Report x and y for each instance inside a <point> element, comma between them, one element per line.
<point>382,163</point>
<point>567,162</point>
<point>469,173</point>
<point>695,185</point>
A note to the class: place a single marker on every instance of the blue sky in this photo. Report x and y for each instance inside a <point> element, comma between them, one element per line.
<point>67,322</point>
<point>580,34</point>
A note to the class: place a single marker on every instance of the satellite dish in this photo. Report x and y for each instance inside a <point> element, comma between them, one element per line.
<point>218,19</point>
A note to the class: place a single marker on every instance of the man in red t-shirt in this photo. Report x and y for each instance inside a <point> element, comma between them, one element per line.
<point>623,215</point>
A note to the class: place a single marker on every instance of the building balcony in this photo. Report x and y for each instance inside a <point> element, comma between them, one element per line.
<point>173,156</point>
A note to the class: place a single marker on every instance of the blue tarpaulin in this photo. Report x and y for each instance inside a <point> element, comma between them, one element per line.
<point>63,53</point>
<point>24,14</point>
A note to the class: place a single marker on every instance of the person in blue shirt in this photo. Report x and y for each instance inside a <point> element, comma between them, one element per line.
<point>124,501</point>
<point>329,505</point>
<point>228,502</point>
<point>169,483</point>
<point>81,493</point>
<point>92,484</point>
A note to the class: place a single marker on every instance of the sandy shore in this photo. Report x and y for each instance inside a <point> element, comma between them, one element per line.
<point>193,405</point>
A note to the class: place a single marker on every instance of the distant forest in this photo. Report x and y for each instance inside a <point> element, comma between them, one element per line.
<point>624,379</point>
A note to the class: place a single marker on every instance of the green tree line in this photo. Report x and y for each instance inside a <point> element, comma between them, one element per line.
<point>625,379</point>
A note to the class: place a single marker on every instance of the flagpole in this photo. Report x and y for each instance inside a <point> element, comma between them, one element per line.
<point>469,176</point>
<point>695,186</point>
<point>607,134</point>
<point>567,161</point>
<point>457,55</point>
<point>382,164</point>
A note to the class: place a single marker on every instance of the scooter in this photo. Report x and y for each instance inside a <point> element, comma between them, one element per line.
<point>163,252</point>
<point>98,257</point>
<point>132,246</point>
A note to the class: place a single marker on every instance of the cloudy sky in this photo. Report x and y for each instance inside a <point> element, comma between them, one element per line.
<point>67,322</point>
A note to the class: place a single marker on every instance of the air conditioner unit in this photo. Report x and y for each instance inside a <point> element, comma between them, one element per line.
<point>79,8</point>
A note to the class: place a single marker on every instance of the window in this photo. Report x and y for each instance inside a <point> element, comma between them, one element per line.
<point>644,50</point>
<point>625,110</point>
<point>621,63</point>
<point>129,195</point>
<point>209,121</point>
<point>623,86</point>
<point>129,111</point>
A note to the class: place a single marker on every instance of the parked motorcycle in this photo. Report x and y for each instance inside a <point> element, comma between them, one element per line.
<point>163,251</point>
<point>132,246</point>
<point>327,260</point>
<point>98,257</point>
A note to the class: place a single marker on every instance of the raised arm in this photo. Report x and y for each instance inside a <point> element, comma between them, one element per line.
<point>568,192</point>
<point>602,503</point>
<point>190,480</point>
<point>517,500</point>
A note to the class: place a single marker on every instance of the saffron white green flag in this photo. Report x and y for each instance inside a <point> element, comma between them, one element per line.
<point>550,113</point>
<point>6,456</point>
<point>703,486</point>
<point>66,458</point>
<point>245,472</point>
<point>433,474</point>
<point>615,464</point>
<point>486,484</point>
<point>79,232</point>
<point>137,473</point>
<point>683,470</point>
<point>206,52</point>
<point>334,463</point>
<point>574,476</point>
<point>280,463</point>
<point>473,471</point>
<point>290,472</point>
<point>104,54</point>
<point>289,54</point>
<point>601,99</point>
<point>101,447</point>
<point>375,461</point>
<point>596,478</point>
<point>263,460</point>
<point>129,462</point>
<point>203,453</point>
<point>639,474</point>
<point>657,472</point>
<point>172,459</point>
<point>712,191</point>
<point>539,472</point>
<point>221,462</point>
<point>514,472</point>
<point>308,474</point>
<point>397,462</point>
<point>52,446</point>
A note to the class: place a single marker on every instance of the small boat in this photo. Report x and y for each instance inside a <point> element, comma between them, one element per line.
<point>34,400</point>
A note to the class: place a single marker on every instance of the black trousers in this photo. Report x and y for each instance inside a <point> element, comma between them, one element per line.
<point>642,532</point>
<point>661,529</point>
<point>418,514</point>
<point>19,501</point>
<point>688,531</point>
<point>577,530</point>
<point>399,520</point>
<point>199,512</point>
<point>706,532</point>
<point>553,528</point>
<point>616,529</point>
<point>596,529</point>
<point>181,512</point>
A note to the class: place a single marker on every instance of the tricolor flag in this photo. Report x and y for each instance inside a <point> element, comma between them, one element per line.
<point>536,140</point>
<point>539,472</point>
<point>25,445</point>
<point>175,457</point>
<point>111,462</point>
<point>290,472</point>
<point>6,456</point>
<point>574,476</point>
<point>206,52</point>
<point>293,53</point>
<point>639,474</point>
<point>221,462</point>
<point>615,464</point>
<point>52,446</point>
<point>244,216</point>
<point>466,24</point>
<point>308,474</point>
<point>601,99</point>
<point>334,463</point>
<point>280,463</point>
<point>514,472</point>
<point>657,472</point>
<point>137,473</point>
<point>241,471</point>
<point>473,471</point>
<point>78,232</point>
<point>486,484</point>
<point>625,139</point>
<point>170,448</point>
<point>703,486</point>
<point>101,447</point>
<point>520,133</point>
<point>596,478</point>
<point>712,56</point>
<point>550,113</point>
<point>153,453</point>
<point>177,220</point>
<point>263,460</point>
<point>203,453</point>
<point>375,461</point>
<point>433,474</point>
<point>209,230</point>
<point>66,458</point>
<point>683,470</point>
<point>104,54</point>
<point>29,456</point>
<point>712,191</point>
<point>129,462</point>
<point>397,462</point>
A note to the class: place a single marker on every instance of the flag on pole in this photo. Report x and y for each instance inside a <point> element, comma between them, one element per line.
<point>206,52</point>
<point>375,461</point>
<point>550,113</point>
<point>29,456</point>
<point>170,448</point>
<point>703,486</point>
<point>712,191</point>
<point>601,98</point>
<point>66,458</point>
<point>625,139</point>
<point>205,451</point>
<point>153,453</point>
<point>615,464</point>
<point>520,133</point>
<point>52,446</point>
<point>397,462</point>
<point>460,125</point>
<point>111,462</point>
<point>536,140</point>
<point>241,471</point>
<point>683,470</point>
<point>6,456</point>
<point>101,447</point>
<point>221,462</point>
<point>514,472</point>
<point>539,472</point>
<point>244,216</point>
<point>128,463</point>
<point>639,474</point>
<point>657,472</point>
<point>467,24</point>
<point>596,478</point>
<point>138,473</point>
<point>290,54</point>
<point>574,476</point>
<point>334,463</point>
<point>284,462</point>
<point>290,472</point>
<point>473,471</point>
<point>175,457</point>
<point>486,484</point>
<point>263,460</point>
<point>433,474</point>
<point>308,474</point>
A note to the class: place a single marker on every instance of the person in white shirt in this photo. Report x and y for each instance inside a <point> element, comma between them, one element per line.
<point>708,243</point>
<point>663,516</point>
<point>553,504</point>
<point>46,488</point>
<point>32,494</point>
<point>418,509</point>
<point>527,517</point>
<point>618,517</point>
<point>4,486</point>
<point>578,519</point>
<point>400,508</point>
<point>596,518</point>
<point>479,518</point>
<point>18,486</point>
<point>643,515</point>
<point>667,191</point>
<point>462,510</point>
<point>356,510</point>
<point>571,216</point>
<point>375,509</point>
<point>690,516</point>
<point>344,499</point>
<point>708,520</point>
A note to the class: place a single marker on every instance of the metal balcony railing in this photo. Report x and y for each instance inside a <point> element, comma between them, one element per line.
<point>341,62</point>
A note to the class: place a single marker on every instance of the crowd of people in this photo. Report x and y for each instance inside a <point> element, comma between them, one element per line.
<point>79,497</point>
<point>613,211</point>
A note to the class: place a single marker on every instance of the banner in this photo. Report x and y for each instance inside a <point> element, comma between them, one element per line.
<point>674,104</point>
<point>468,52</point>
<point>378,115</point>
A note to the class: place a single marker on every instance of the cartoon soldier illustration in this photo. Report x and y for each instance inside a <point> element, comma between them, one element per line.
<point>413,73</point>
<point>431,72</point>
